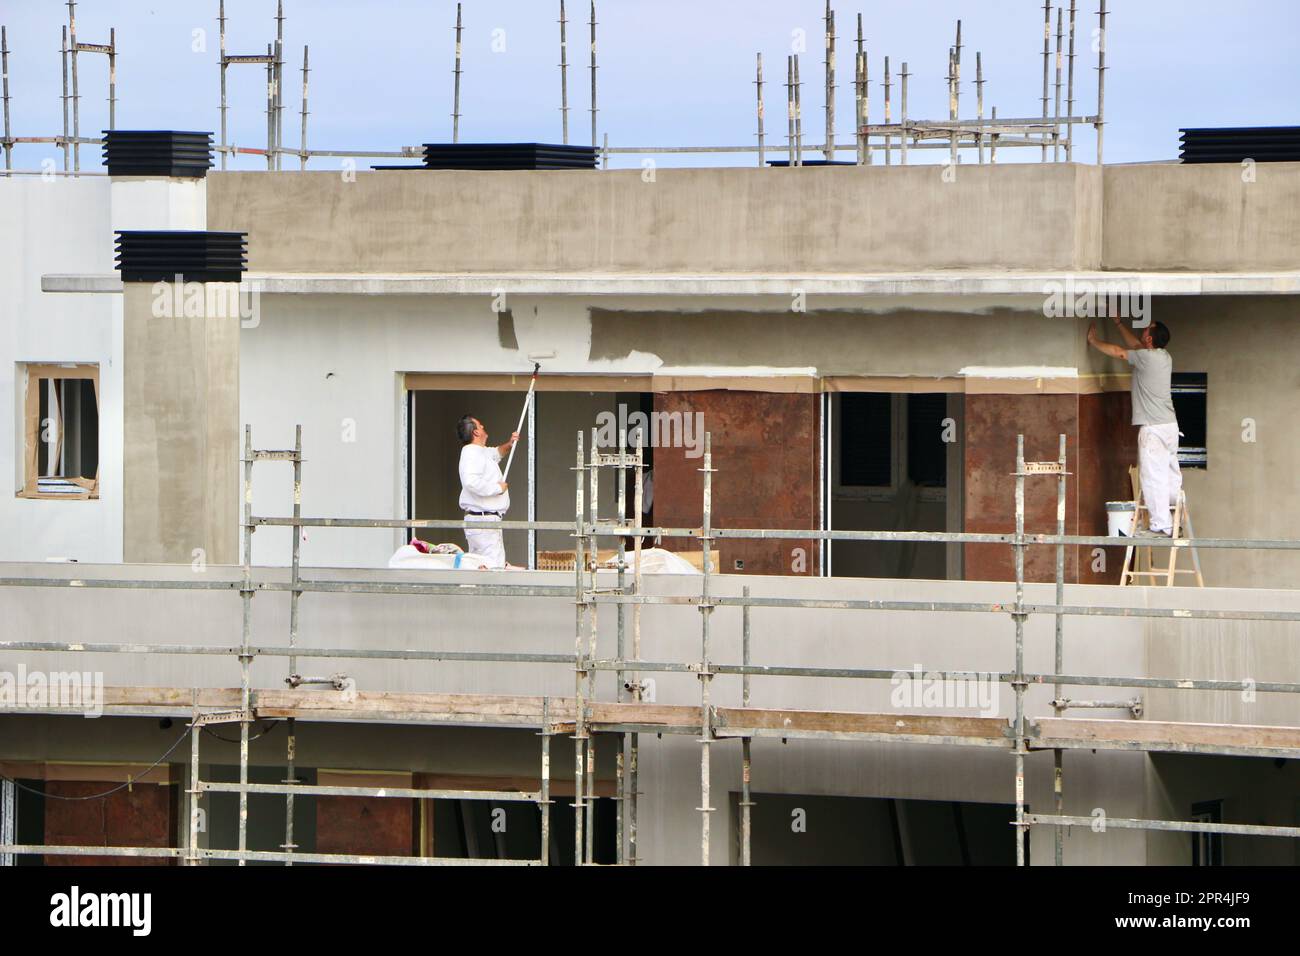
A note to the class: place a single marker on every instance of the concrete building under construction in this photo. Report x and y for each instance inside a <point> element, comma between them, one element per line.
<point>878,432</point>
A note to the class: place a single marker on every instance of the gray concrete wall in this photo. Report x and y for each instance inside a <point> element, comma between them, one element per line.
<point>1261,792</point>
<point>1214,217</point>
<point>1117,782</point>
<point>1247,348</point>
<point>181,433</point>
<point>1159,217</point>
<point>691,221</point>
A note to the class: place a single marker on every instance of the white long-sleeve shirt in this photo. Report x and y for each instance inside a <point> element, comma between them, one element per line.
<point>480,480</point>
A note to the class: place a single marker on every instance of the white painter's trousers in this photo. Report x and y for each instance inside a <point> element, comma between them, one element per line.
<point>1162,479</point>
<point>486,543</point>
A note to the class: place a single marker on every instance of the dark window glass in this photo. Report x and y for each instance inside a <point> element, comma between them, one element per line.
<point>1190,390</point>
<point>866,440</point>
<point>927,452</point>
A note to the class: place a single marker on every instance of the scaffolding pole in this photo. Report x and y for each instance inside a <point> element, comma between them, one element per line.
<point>828,148</point>
<point>579,672</point>
<point>705,676</point>
<point>455,101</point>
<point>4,75</point>
<point>593,72</point>
<point>564,77</point>
<point>713,723</point>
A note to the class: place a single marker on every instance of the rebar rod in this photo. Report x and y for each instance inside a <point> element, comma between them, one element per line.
<point>1047,37</point>
<point>798,114</point>
<point>455,103</point>
<point>270,106</point>
<point>1101,79</point>
<point>4,74</point>
<point>112,78</point>
<point>302,133</point>
<point>221,21</point>
<point>828,149</point>
<point>1056,129</point>
<point>564,76</point>
<point>1069,94</point>
<point>789,110</point>
<point>278,76</point>
<point>76,95</point>
<point>866,94</point>
<point>902,114</point>
<point>66,132</point>
<point>593,73</point>
<point>887,112</point>
<point>758,86</point>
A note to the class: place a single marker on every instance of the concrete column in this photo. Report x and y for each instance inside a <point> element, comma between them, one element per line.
<point>181,423</point>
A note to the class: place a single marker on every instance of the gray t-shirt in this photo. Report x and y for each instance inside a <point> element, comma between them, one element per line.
<point>1152,403</point>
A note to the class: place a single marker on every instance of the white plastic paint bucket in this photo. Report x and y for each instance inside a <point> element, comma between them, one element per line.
<point>1119,518</point>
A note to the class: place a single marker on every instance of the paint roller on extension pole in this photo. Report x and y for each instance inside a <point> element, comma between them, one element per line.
<point>505,475</point>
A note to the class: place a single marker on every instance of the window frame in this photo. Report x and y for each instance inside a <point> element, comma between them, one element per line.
<point>35,373</point>
<point>898,438</point>
<point>1192,456</point>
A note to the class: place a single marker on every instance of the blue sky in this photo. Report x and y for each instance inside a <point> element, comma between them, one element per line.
<point>670,72</point>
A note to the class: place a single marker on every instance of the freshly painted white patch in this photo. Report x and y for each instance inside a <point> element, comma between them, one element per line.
<point>1019,371</point>
<point>738,371</point>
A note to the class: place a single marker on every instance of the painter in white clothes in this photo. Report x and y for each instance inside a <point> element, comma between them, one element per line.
<point>1153,414</point>
<point>484,493</point>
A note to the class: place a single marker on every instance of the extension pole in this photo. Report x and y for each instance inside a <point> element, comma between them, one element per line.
<point>522,415</point>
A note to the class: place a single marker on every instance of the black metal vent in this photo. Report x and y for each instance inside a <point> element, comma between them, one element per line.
<point>147,256</point>
<point>1263,144</point>
<point>157,153</point>
<point>504,156</point>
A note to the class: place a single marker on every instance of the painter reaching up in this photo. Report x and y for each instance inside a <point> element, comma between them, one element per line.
<point>1153,413</point>
<point>484,494</point>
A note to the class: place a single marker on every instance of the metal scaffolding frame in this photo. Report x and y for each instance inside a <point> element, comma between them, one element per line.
<point>592,720</point>
<point>953,133</point>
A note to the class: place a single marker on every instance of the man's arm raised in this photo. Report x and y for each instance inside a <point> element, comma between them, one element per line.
<point>1104,347</point>
<point>1131,341</point>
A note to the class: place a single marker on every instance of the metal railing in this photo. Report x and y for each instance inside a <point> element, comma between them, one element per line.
<point>628,597</point>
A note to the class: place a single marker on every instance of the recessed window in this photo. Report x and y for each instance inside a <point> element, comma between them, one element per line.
<point>888,439</point>
<point>1190,390</point>
<point>61,433</point>
<point>866,440</point>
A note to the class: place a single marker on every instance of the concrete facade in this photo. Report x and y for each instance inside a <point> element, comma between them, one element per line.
<point>181,429</point>
<point>1123,784</point>
<point>176,394</point>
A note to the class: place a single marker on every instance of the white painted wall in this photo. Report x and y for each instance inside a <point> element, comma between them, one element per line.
<point>333,363</point>
<point>59,226</point>
<point>65,226</point>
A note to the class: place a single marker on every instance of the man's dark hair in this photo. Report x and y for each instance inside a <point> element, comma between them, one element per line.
<point>465,429</point>
<point>1159,334</point>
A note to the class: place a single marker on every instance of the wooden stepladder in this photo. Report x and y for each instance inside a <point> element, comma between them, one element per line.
<point>1138,559</point>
